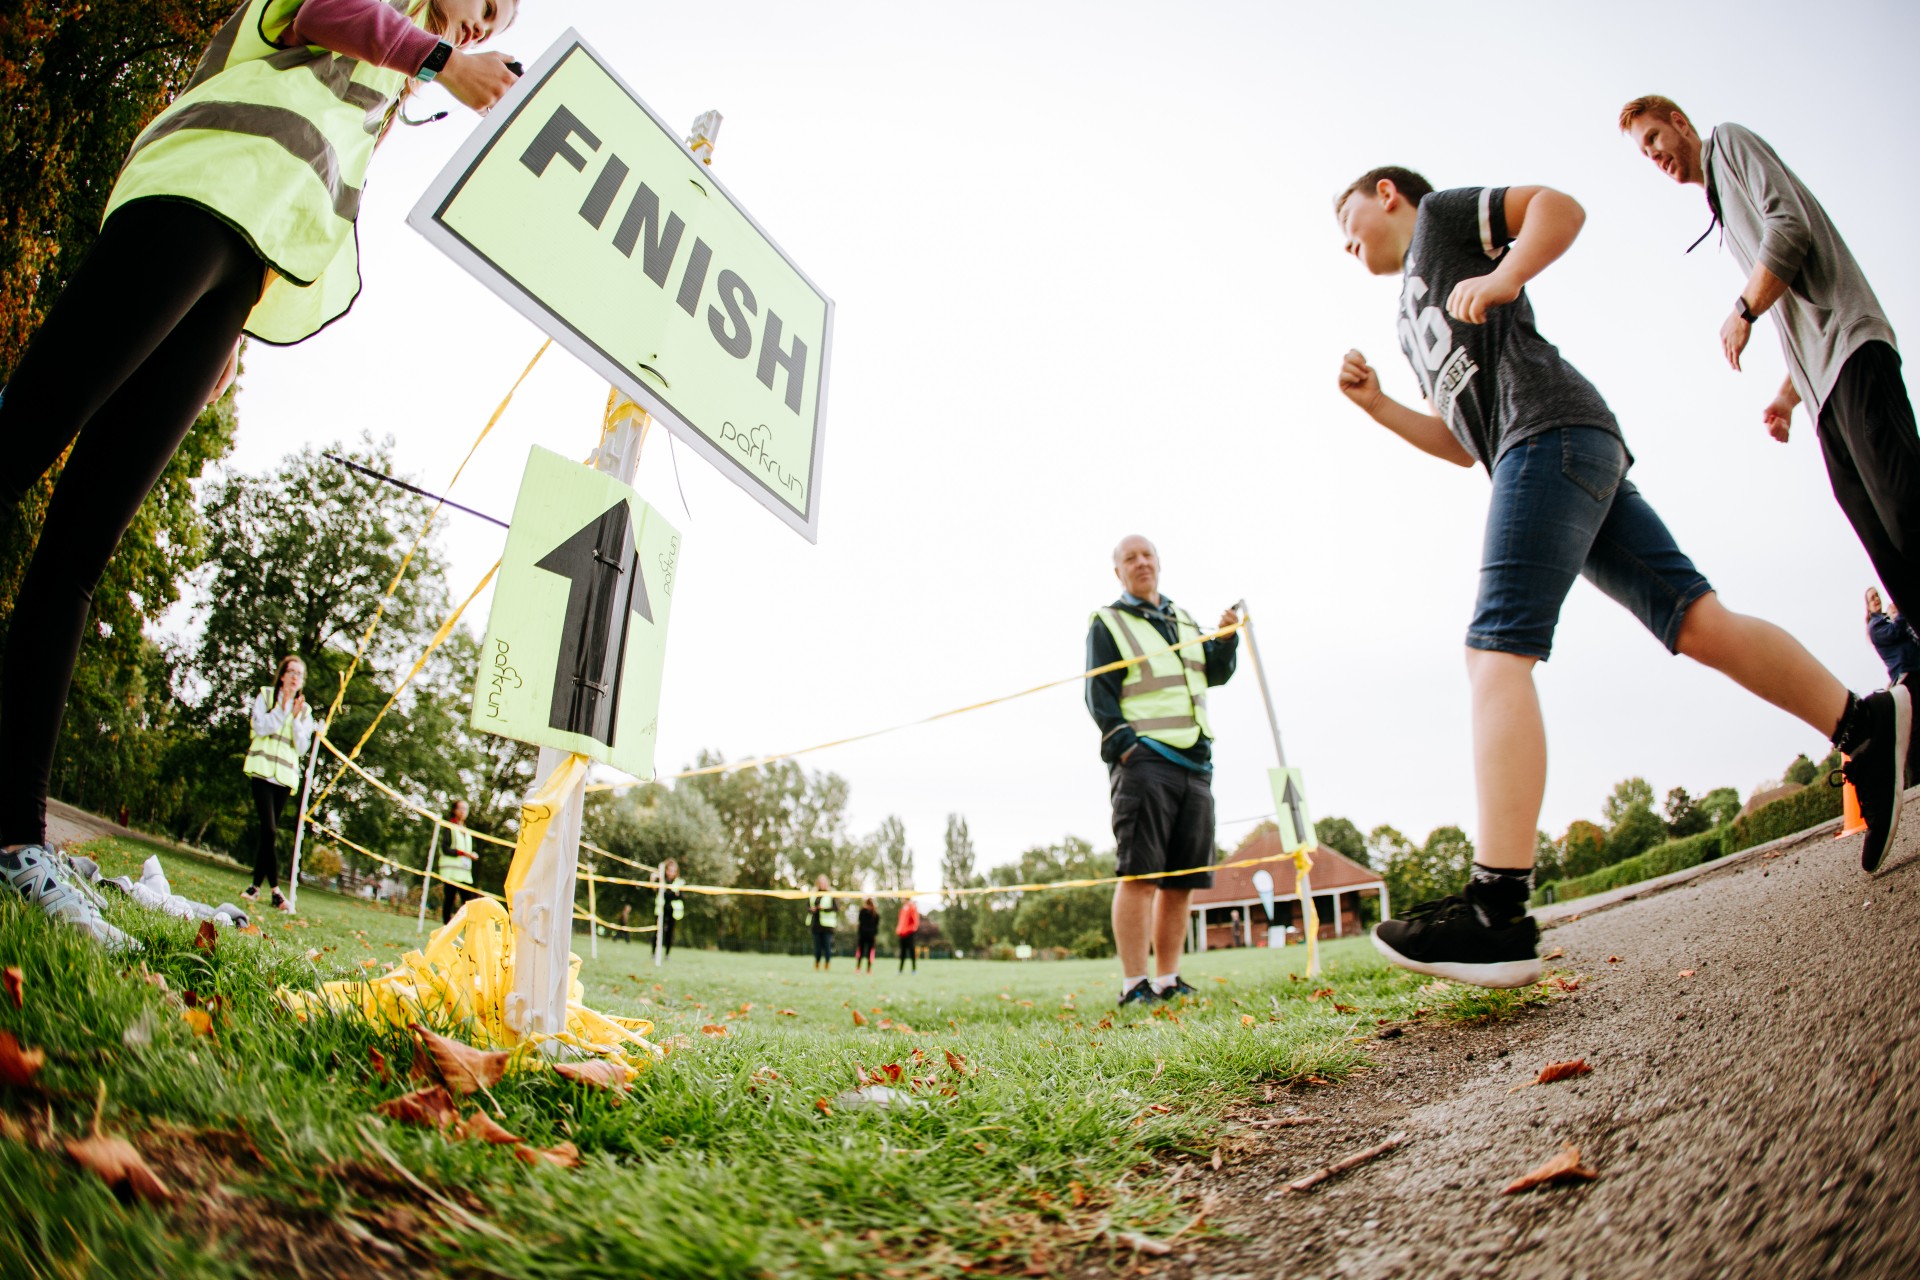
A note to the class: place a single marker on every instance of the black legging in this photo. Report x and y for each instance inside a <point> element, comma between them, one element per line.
<point>909,952</point>
<point>823,946</point>
<point>666,933</point>
<point>863,948</point>
<point>269,798</point>
<point>125,361</point>
<point>452,898</point>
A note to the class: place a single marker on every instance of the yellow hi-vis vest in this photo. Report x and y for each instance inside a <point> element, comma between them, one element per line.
<point>273,756</point>
<point>829,918</point>
<point>1165,697</point>
<point>275,143</point>
<point>678,906</point>
<point>453,866</point>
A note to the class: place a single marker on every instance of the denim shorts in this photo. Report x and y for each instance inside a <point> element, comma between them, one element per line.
<point>1562,506</point>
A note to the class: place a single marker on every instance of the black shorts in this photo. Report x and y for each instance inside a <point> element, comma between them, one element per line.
<point>1163,820</point>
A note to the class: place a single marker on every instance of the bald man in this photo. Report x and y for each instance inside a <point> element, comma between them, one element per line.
<point>1158,747</point>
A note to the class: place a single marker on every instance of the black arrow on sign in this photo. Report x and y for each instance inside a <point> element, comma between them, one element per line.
<point>1296,811</point>
<point>606,589</point>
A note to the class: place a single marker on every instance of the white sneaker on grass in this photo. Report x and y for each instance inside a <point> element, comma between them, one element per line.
<point>35,873</point>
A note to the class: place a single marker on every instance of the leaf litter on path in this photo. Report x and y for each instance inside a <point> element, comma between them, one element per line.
<point>1565,1167</point>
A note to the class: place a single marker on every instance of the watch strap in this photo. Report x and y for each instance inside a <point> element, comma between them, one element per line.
<point>1746,312</point>
<point>436,62</point>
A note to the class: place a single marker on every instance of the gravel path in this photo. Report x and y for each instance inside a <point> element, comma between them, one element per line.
<point>1753,1119</point>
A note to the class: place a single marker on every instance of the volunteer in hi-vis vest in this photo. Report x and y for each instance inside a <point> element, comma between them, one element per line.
<point>234,214</point>
<point>456,864</point>
<point>1158,745</point>
<point>676,905</point>
<point>282,731</point>
<point>823,918</point>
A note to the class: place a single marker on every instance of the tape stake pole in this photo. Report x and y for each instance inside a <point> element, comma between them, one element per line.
<point>1266,693</point>
<point>426,881</point>
<point>659,912</point>
<point>593,917</point>
<point>300,826</point>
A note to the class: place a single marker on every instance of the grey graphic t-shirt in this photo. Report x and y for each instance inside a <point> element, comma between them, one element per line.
<point>1495,383</point>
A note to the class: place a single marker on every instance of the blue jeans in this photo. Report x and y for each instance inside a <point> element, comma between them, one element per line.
<point>1562,506</point>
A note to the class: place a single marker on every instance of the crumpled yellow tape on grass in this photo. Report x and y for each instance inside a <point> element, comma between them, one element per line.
<point>461,980</point>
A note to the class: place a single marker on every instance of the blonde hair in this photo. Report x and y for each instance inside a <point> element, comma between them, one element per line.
<point>1654,103</point>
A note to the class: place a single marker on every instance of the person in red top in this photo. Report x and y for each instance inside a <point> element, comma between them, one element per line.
<point>908,929</point>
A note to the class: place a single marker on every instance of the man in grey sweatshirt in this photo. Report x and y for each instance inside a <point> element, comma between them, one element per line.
<point>1841,357</point>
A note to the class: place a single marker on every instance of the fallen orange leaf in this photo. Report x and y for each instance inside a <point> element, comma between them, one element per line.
<point>199,1019</point>
<point>599,1073</point>
<point>206,936</point>
<point>1247,1019</point>
<point>859,1018</point>
<point>482,1127</point>
<point>713,1029</point>
<point>18,1066</point>
<point>1555,954</point>
<point>1566,984</point>
<point>821,1104</point>
<point>892,1071</point>
<point>464,1068</point>
<point>118,1165</point>
<point>1562,1071</point>
<point>1686,973</point>
<point>1565,1167</point>
<point>253,929</point>
<point>958,1063</point>
<point>786,1013</point>
<point>566,1155</point>
<point>1613,959</point>
<point>380,1067</point>
<point>432,1107</point>
<point>11,978</point>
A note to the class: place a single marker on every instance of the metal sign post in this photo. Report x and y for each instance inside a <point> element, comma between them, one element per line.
<point>1297,835</point>
<point>426,881</point>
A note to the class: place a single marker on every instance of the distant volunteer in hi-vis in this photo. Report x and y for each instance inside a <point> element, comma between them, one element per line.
<point>282,731</point>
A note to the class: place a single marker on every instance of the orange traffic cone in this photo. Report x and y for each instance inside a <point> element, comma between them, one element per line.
<point>1853,824</point>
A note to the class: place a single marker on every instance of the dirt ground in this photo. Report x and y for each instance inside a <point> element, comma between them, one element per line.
<point>1755,1118</point>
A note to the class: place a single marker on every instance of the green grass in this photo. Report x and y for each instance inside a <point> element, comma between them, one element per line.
<point>710,1167</point>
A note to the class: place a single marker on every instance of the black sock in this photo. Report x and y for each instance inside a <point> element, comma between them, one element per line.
<point>1500,892</point>
<point>1854,728</point>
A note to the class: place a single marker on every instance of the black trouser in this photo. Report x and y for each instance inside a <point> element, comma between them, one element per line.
<point>666,933</point>
<point>1873,461</point>
<point>863,949</point>
<point>823,946</point>
<point>909,952</point>
<point>125,361</point>
<point>269,798</point>
<point>452,898</point>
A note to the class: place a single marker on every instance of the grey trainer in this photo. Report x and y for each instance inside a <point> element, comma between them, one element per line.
<point>35,873</point>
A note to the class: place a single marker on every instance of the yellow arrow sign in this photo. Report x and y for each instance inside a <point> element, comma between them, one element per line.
<point>577,637</point>
<point>578,205</point>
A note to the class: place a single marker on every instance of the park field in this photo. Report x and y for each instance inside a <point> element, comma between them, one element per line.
<point>1044,1123</point>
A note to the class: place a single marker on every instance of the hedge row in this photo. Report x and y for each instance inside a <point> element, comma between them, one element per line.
<point>1808,807</point>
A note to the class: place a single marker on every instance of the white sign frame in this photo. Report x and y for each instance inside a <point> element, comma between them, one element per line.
<point>439,193</point>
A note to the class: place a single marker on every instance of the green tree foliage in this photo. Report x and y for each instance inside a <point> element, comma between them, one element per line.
<point>1802,771</point>
<point>956,872</point>
<point>1420,873</point>
<point>1721,805</point>
<point>1059,917</point>
<point>892,859</point>
<point>1546,858</point>
<point>1628,794</point>
<point>1685,817</point>
<point>1384,845</point>
<point>1583,848</point>
<point>650,824</point>
<point>1342,836</point>
<point>1638,830</point>
<point>300,560</point>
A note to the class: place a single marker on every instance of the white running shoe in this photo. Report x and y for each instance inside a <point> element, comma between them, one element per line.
<point>35,873</point>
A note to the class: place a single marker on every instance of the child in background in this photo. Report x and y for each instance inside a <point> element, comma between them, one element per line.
<point>907,929</point>
<point>869,935</point>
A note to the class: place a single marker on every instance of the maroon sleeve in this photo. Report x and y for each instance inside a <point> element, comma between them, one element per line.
<point>365,29</point>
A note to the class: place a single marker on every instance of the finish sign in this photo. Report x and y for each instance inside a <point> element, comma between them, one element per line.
<point>577,637</point>
<point>1290,808</point>
<point>586,212</point>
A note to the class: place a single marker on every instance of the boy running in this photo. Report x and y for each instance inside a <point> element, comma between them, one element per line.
<point>1502,396</point>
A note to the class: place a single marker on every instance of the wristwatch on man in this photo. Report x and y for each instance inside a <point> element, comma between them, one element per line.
<point>1746,312</point>
<point>436,62</point>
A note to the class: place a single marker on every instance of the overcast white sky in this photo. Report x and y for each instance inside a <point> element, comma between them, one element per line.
<point>1088,284</point>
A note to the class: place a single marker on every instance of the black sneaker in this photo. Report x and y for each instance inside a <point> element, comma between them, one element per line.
<point>1877,767</point>
<point>1140,992</point>
<point>1178,989</point>
<point>1449,938</point>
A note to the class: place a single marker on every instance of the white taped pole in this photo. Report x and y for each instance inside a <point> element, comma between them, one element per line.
<point>426,881</point>
<point>593,917</point>
<point>659,911</point>
<point>1309,923</point>
<point>542,916</point>
<point>300,826</point>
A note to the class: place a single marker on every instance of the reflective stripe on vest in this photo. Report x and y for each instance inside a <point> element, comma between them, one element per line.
<point>455,867</point>
<point>1164,697</point>
<point>276,143</point>
<point>829,918</point>
<point>679,906</point>
<point>273,756</point>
